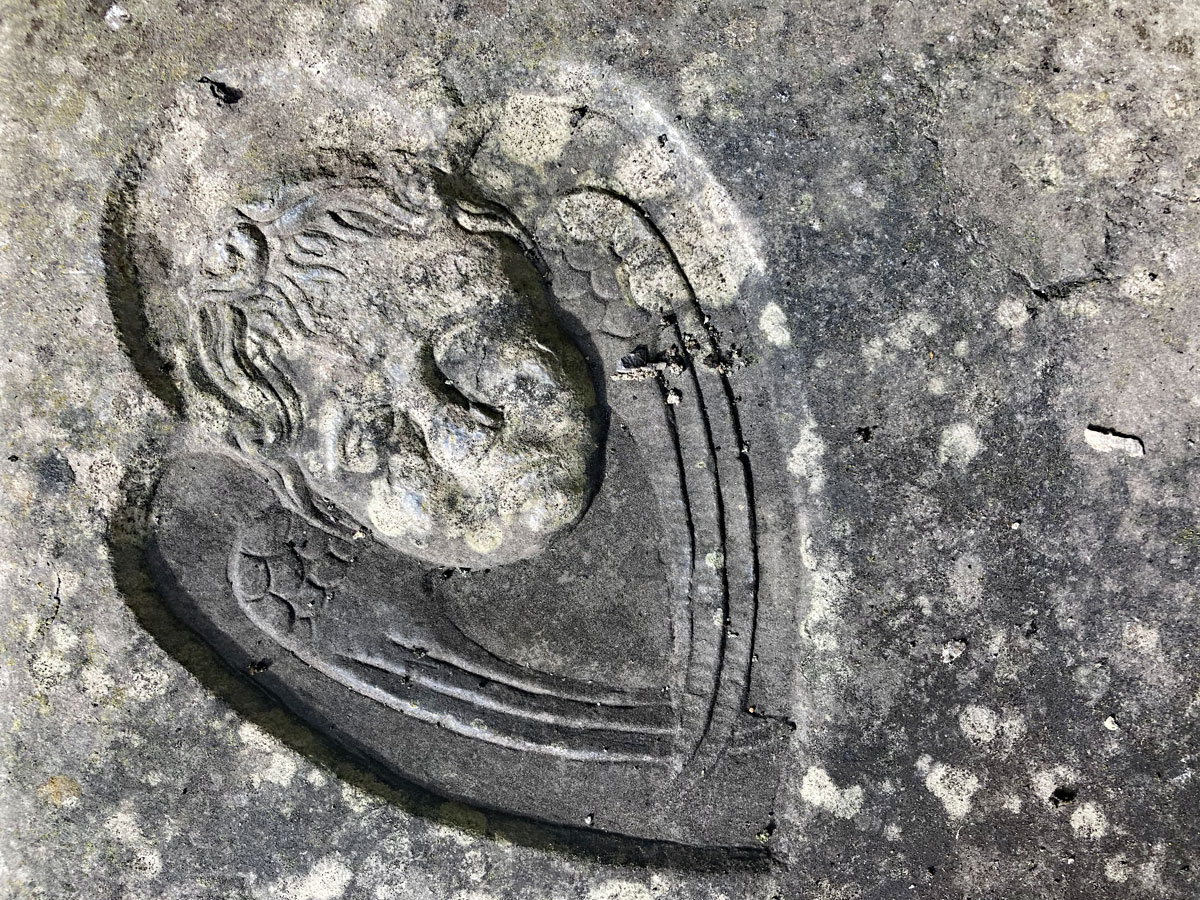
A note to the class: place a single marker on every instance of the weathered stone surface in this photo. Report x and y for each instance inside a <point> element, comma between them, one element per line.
<point>958,245</point>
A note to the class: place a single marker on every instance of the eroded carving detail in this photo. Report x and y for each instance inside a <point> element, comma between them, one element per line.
<point>371,348</point>
<point>408,366</point>
<point>283,571</point>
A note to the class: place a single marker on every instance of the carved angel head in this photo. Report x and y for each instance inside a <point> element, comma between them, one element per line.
<point>395,368</point>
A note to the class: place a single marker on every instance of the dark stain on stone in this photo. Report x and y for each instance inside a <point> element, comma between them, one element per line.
<point>1063,794</point>
<point>226,94</point>
<point>55,472</point>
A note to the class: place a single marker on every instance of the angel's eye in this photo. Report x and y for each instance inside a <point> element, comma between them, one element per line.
<point>364,437</point>
<point>239,255</point>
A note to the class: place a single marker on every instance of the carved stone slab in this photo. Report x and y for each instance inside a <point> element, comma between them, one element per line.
<point>474,470</point>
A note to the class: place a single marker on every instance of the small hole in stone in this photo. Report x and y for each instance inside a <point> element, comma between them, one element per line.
<point>1063,794</point>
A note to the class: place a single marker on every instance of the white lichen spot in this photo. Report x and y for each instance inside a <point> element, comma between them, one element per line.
<point>533,130</point>
<point>1141,653</point>
<point>646,171</point>
<point>873,349</point>
<point>280,764</point>
<point>819,790</point>
<point>98,475</point>
<point>960,444</point>
<point>97,684</point>
<point>1046,781</point>
<point>1012,729</point>
<point>144,859</point>
<point>1012,803</point>
<point>717,260</point>
<point>48,669</point>
<point>358,800</point>
<point>116,17</point>
<point>254,737</point>
<point>620,889</point>
<point>1143,286</point>
<point>773,323</point>
<point>485,540</point>
<point>807,558</point>
<point>394,519</point>
<point>369,15</point>
<point>953,786</point>
<point>1012,314</point>
<point>892,832</point>
<point>715,560</point>
<point>962,348</point>
<point>966,581</point>
<point>805,459</point>
<point>1089,822</point>
<point>299,30</point>
<point>1117,868</point>
<point>827,588</point>
<point>146,683</point>
<point>328,879</point>
<point>281,769</point>
<point>63,636</point>
<point>696,87</point>
<point>1108,152</point>
<point>910,330</point>
<point>979,724</point>
<point>1142,639</point>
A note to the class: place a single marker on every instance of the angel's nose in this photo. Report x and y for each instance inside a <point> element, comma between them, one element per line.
<point>477,410</point>
<point>456,433</point>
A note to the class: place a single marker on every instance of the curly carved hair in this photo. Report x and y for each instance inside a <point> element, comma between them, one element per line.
<point>259,285</point>
<point>263,277</point>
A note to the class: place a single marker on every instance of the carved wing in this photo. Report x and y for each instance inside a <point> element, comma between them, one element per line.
<point>284,571</point>
<point>637,246</point>
<point>669,377</point>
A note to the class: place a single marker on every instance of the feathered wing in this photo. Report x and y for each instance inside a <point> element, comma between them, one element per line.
<point>284,571</point>
<point>667,378</point>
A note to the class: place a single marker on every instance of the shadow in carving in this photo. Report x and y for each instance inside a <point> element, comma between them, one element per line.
<point>124,289</point>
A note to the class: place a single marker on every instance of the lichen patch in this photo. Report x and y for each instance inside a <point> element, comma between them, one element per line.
<point>819,790</point>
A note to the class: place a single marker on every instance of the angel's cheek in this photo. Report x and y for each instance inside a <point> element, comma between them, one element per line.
<point>547,503</point>
<point>529,380</point>
<point>401,508</point>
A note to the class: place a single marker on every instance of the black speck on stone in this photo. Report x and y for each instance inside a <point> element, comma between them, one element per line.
<point>1063,794</point>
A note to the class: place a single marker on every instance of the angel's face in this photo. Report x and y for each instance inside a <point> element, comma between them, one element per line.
<point>443,408</point>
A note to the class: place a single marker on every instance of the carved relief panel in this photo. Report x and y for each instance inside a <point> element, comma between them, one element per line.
<point>475,471</point>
